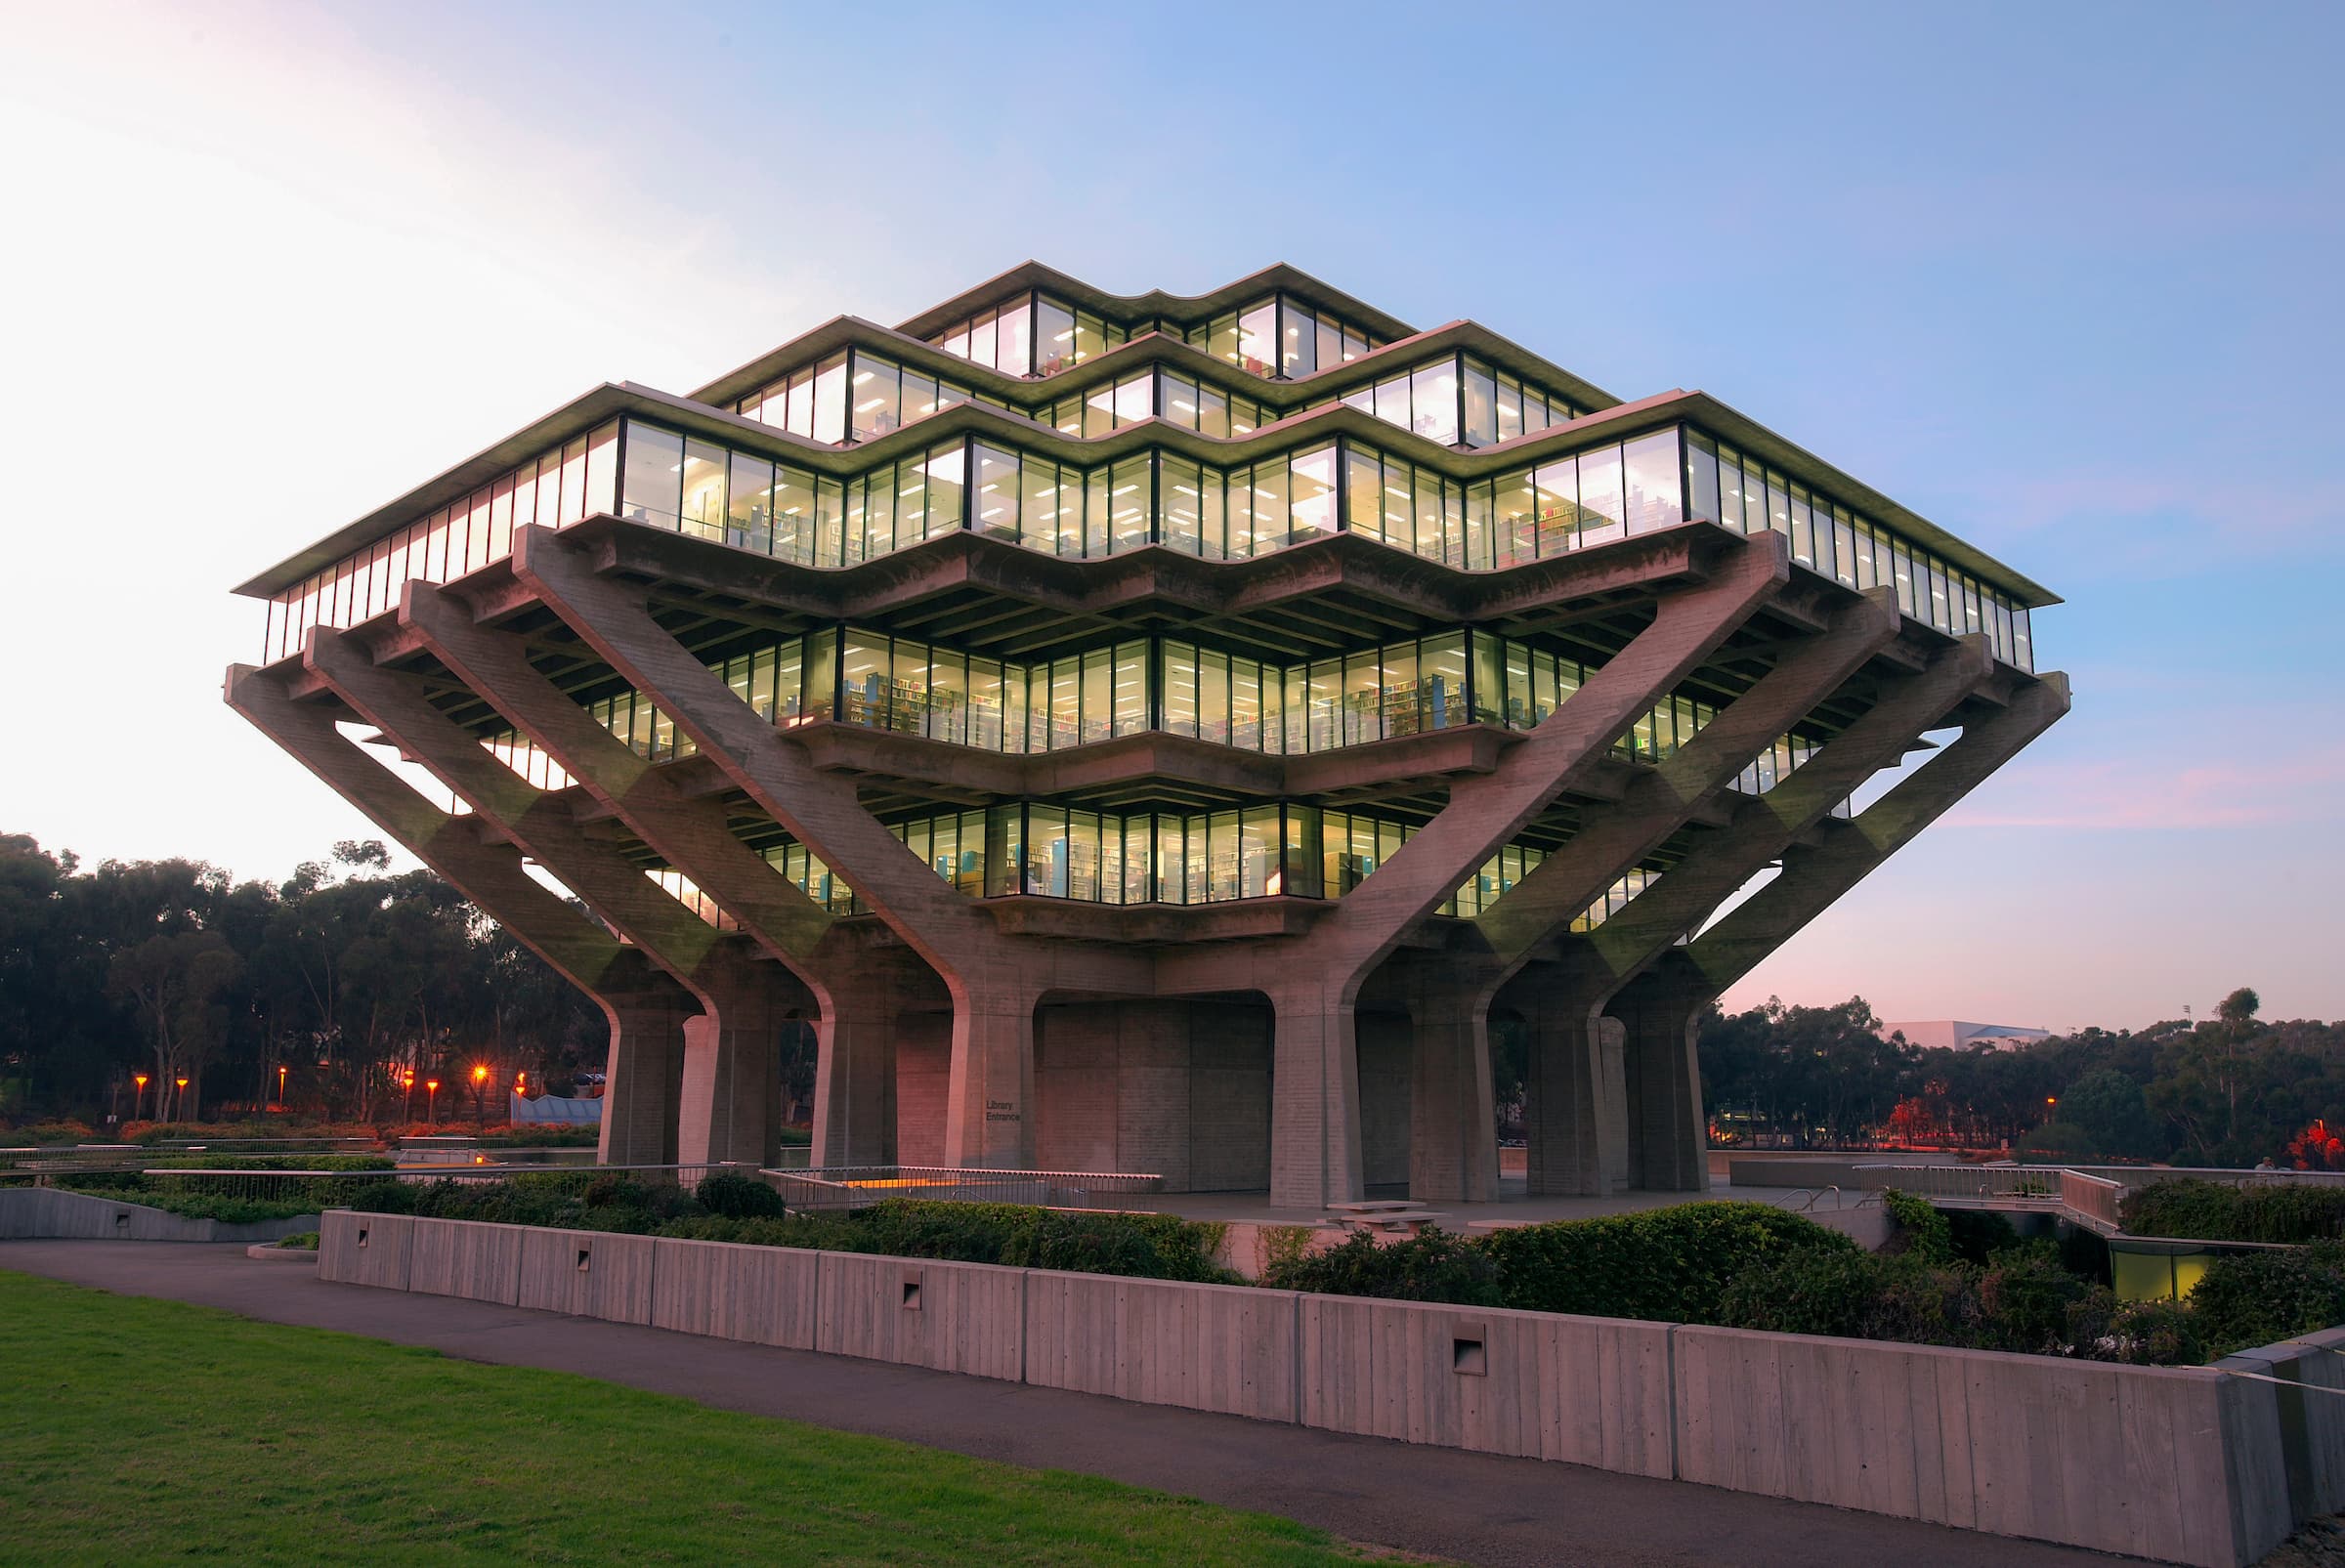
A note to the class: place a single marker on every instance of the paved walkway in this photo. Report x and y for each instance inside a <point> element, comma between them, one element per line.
<point>1475,1508</point>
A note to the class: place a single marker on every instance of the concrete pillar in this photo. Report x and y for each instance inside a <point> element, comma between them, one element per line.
<point>1668,1143</point>
<point>1575,1110</point>
<point>989,1101</point>
<point>1314,1099</point>
<point>855,1074</point>
<point>1452,1114</point>
<point>641,1084</point>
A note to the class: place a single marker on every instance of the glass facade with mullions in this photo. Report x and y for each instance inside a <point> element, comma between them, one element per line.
<point>1732,489</point>
<point>1158,393</point>
<point>856,396</point>
<point>859,676</point>
<point>1033,334</point>
<point>1282,337</point>
<point>1566,502</point>
<point>1457,400</point>
<point>1283,849</point>
<point>558,486</point>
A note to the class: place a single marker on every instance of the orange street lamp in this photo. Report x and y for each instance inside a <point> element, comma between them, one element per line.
<point>138,1102</point>
<point>179,1107</point>
<point>431,1088</point>
<point>281,1085</point>
<point>480,1109</point>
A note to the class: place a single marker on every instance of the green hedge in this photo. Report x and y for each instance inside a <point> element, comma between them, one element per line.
<point>2258,1298</point>
<point>2189,1207</point>
<point>1670,1264</point>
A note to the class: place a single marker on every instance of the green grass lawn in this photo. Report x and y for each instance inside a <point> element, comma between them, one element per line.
<point>137,1430</point>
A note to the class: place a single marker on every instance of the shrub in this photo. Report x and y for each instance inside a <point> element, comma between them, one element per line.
<point>2191,1207</point>
<point>49,1132</point>
<point>1669,1264</point>
<point>2255,1299</point>
<point>736,1196</point>
<point>2025,1303</point>
<point>1810,1291</point>
<point>1433,1265</point>
<point>1921,1230</point>
<point>1979,1234</point>
<point>301,1241</point>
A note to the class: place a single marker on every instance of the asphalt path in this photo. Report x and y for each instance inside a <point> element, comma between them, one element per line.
<point>1473,1507</point>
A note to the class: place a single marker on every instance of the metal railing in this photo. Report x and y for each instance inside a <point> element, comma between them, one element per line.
<point>2091,1200</point>
<point>2001,1183</point>
<point>330,1188</point>
<point>839,1188</point>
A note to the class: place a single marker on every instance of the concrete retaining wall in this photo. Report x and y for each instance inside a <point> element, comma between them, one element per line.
<point>364,1248</point>
<point>588,1274</point>
<point>2185,1464</point>
<point>953,1316</point>
<point>763,1295</point>
<point>28,1213</point>
<point>1535,1384</point>
<point>1218,1347</point>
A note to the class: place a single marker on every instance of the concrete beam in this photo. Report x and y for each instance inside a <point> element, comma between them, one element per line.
<point>646,1009</point>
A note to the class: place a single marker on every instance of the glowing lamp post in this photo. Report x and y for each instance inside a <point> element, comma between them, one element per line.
<point>281,1085</point>
<point>138,1104</point>
<point>179,1107</point>
<point>431,1099</point>
<point>480,1089</point>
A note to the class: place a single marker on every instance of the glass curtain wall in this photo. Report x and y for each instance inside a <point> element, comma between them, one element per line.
<point>1156,393</point>
<point>1034,335</point>
<point>1459,401</point>
<point>1282,337</point>
<point>557,488</point>
<point>1285,849</point>
<point>1730,488</point>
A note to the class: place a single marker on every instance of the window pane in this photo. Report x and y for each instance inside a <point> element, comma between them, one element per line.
<point>1298,343</point>
<point>1014,343</point>
<point>1053,337</point>
<point>654,478</point>
<point>1314,494</point>
<point>1433,402</point>
<point>996,500</point>
<point>1655,496</point>
<point>945,469</point>
<point>1481,405</point>
<point>703,513</point>
<point>1602,511</point>
<point>750,501</point>
<point>1256,352</point>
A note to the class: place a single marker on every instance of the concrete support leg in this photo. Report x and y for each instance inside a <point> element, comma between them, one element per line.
<point>641,1087</point>
<point>989,1105</point>
<point>1453,1116</point>
<point>730,1103</point>
<point>855,1078</point>
<point>1314,1101</point>
<point>1668,1139</point>
<point>1575,1103</point>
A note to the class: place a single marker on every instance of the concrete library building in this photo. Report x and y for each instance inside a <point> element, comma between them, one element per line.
<point>1152,734</point>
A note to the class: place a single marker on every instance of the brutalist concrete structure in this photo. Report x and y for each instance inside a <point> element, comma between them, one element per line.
<point>1152,734</point>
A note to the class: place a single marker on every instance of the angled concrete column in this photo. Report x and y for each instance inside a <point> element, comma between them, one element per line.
<point>994,979</point>
<point>1814,876</point>
<point>727,1102</point>
<point>645,1008</point>
<point>1314,1097</point>
<point>1614,839</point>
<point>1453,1116</point>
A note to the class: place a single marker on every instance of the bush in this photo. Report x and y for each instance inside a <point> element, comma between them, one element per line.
<point>49,1132</point>
<point>736,1196</point>
<point>1668,1265</point>
<point>2056,1142</point>
<point>1811,1290</point>
<point>1921,1230</point>
<point>301,1241</point>
<point>2255,1299</point>
<point>2192,1208</point>
<point>1433,1265</point>
<point>2026,1300</point>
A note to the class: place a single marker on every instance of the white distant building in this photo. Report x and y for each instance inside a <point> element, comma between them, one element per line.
<point>1948,1034</point>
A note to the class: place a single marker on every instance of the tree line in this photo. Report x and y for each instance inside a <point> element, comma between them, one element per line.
<point>2230,1090</point>
<point>337,984</point>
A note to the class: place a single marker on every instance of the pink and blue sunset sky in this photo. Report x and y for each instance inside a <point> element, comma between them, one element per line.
<point>2062,280</point>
